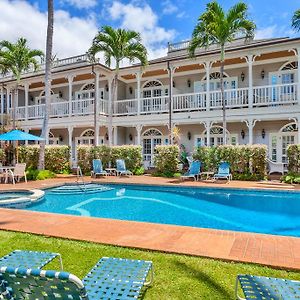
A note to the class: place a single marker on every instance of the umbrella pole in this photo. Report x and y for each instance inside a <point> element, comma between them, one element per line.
<point>17,151</point>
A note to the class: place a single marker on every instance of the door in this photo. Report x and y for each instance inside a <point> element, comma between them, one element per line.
<point>149,145</point>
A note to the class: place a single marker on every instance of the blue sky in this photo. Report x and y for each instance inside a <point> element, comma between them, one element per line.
<point>158,21</point>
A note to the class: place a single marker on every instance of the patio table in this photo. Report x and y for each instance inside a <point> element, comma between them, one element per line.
<point>111,171</point>
<point>207,174</point>
<point>6,170</point>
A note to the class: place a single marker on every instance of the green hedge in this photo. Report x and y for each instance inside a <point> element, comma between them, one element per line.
<point>249,160</point>
<point>2,156</point>
<point>293,154</point>
<point>166,159</point>
<point>57,158</point>
<point>131,154</point>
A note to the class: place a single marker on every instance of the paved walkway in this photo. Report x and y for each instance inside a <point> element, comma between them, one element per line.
<point>269,250</point>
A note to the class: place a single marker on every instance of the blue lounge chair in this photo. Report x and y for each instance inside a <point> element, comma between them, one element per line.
<point>223,172</point>
<point>193,171</point>
<point>121,168</point>
<point>111,278</point>
<point>29,259</point>
<point>98,168</point>
<point>267,288</point>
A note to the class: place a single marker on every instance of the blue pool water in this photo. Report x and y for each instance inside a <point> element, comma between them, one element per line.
<point>272,212</point>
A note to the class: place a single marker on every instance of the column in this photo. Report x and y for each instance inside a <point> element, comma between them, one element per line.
<point>115,135</point>
<point>139,134</point>
<point>207,66</point>
<point>250,124</point>
<point>26,86</point>
<point>110,111</point>
<point>70,142</point>
<point>70,84</point>
<point>27,131</point>
<point>298,81</point>
<point>96,107</point>
<point>207,125</point>
<point>8,104</point>
<point>171,71</point>
<point>250,59</point>
<point>2,106</point>
<point>298,126</point>
<point>138,76</point>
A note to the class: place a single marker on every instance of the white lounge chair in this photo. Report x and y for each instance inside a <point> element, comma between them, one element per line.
<point>275,167</point>
<point>18,173</point>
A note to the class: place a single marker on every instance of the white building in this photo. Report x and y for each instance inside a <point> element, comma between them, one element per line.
<point>262,97</point>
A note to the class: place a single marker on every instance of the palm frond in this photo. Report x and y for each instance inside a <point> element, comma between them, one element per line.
<point>296,20</point>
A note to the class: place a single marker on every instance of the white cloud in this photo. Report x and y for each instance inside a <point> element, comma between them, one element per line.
<point>143,20</point>
<point>168,7</point>
<point>72,35</point>
<point>81,3</point>
<point>273,31</point>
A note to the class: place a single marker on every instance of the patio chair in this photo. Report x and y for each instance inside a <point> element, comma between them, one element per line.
<point>121,168</point>
<point>111,278</point>
<point>18,173</point>
<point>98,168</point>
<point>223,172</point>
<point>29,259</point>
<point>193,171</point>
<point>267,288</point>
<point>275,167</point>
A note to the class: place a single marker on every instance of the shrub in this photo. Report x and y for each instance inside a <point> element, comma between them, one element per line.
<point>139,171</point>
<point>166,160</point>
<point>291,178</point>
<point>2,156</point>
<point>247,160</point>
<point>131,154</point>
<point>57,158</point>
<point>293,154</point>
<point>39,175</point>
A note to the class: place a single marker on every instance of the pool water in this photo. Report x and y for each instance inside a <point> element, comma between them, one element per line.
<point>271,212</point>
<point>13,195</point>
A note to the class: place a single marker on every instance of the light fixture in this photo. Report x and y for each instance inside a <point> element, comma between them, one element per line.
<point>189,135</point>
<point>189,83</point>
<point>263,133</point>
<point>262,74</point>
<point>243,134</point>
<point>60,138</point>
<point>130,90</point>
<point>60,94</point>
<point>243,76</point>
<point>130,137</point>
<point>106,136</point>
<point>173,83</point>
<point>106,87</point>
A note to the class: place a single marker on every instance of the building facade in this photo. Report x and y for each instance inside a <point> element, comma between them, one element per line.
<point>262,92</point>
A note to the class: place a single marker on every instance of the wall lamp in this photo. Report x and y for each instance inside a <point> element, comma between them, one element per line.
<point>262,74</point>
<point>263,133</point>
<point>106,87</point>
<point>189,135</point>
<point>243,134</point>
<point>243,76</point>
<point>106,136</point>
<point>130,90</point>
<point>130,137</point>
<point>189,83</point>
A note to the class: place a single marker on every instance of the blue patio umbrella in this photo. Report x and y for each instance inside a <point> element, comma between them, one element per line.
<point>18,135</point>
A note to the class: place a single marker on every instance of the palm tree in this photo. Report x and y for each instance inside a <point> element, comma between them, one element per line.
<point>117,45</point>
<point>216,26</point>
<point>49,46</point>
<point>17,58</point>
<point>296,20</point>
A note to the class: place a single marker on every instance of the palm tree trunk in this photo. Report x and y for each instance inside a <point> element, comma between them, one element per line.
<point>49,45</point>
<point>223,95</point>
<point>114,98</point>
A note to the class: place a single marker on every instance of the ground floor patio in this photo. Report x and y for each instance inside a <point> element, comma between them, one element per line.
<point>276,251</point>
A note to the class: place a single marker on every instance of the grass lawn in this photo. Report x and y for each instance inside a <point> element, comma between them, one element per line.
<point>176,276</point>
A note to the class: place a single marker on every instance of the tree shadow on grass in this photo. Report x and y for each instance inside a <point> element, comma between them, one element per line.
<point>209,281</point>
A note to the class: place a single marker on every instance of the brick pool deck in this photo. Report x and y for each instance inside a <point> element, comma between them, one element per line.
<point>276,251</point>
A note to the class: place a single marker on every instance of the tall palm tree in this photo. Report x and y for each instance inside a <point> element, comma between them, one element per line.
<point>17,58</point>
<point>217,26</point>
<point>117,45</point>
<point>48,63</point>
<point>296,20</point>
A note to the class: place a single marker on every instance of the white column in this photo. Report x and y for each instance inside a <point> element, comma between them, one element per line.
<point>2,106</point>
<point>138,79</point>
<point>110,112</point>
<point>298,82</point>
<point>115,136</point>
<point>250,59</point>
<point>298,125</point>
<point>8,102</point>
<point>27,131</point>
<point>139,134</point>
<point>26,86</point>
<point>70,142</point>
<point>207,66</point>
<point>97,98</point>
<point>207,125</point>
<point>250,124</point>
<point>70,82</point>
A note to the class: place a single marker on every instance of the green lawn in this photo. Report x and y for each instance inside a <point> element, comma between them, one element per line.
<point>176,276</point>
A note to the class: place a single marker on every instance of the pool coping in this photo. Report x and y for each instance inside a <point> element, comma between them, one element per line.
<point>35,196</point>
<point>265,249</point>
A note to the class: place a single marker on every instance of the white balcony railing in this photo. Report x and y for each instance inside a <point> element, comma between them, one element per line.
<point>235,98</point>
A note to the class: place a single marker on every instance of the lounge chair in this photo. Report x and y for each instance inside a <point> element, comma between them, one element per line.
<point>18,173</point>
<point>275,167</point>
<point>29,259</point>
<point>121,168</point>
<point>111,278</point>
<point>223,172</point>
<point>193,171</point>
<point>98,168</point>
<point>267,288</point>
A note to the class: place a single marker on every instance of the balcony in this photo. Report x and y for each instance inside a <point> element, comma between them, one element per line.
<point>263,96</point>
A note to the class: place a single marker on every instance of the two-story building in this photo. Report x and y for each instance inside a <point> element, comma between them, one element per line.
<point>262,91</point>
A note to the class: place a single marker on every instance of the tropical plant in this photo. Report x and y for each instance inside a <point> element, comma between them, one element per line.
<point>48,63</point>
<point>117,45</point>
<point>17,58</point>
<point>296,20</point>
<point>216,26</point>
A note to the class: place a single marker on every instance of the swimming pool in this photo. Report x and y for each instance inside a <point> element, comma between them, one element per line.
<point>271,212</point>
